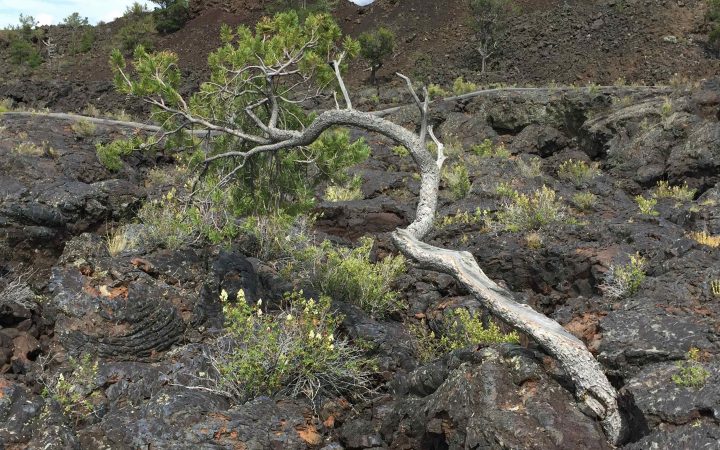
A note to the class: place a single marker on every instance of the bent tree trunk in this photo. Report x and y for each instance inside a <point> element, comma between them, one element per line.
<point>592,386</point>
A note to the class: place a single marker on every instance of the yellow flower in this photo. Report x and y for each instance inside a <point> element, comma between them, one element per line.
<point>223,295</point>
<point>289,317</point>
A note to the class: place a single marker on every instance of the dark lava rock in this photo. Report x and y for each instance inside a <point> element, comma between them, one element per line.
<point>662,401</point>
<point>636,335</point>
<point>538,139</point>
<point>696,436</point>
<point>495,398</point>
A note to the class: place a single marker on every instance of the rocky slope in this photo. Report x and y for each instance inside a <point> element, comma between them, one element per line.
<point>147,314</point>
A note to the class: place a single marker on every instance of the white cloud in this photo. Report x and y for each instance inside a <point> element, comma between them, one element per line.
<point>44,19</point>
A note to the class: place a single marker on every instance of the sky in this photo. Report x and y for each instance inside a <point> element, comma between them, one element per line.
<point>54,11</point>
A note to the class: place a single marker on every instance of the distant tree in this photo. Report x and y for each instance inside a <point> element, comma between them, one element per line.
<point>171,15</point>
<point>23,42</point>
<point>75,21</point>
<point>139,29</point>
<point>83,34</point>
<point>303,8</point>
<point>375,46</point>
<point>490,20</point>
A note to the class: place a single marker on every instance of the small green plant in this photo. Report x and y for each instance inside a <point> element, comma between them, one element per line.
<point>295,352</point>
<point>348,192</point>
<point>505,190</point>
<point>529,212</point>
<point>460,86</point>
<point>691,373</point>
<point>578,172</point>
<point>350,275</point>
<point>6,104</point>
<point>436,91</point>
<point>486,149</point>
<point>277,236</point>
<point>110,155</point>
<point>593,88</point>
<point>623,281</point>
<point>74,392</point>
<point>680,193</point>
<point>715,288</point>
<point>646,205</point>
<point>458,180</point>
<point>117,241</point>
<point>531,168</point>
<point>171,15</point>
<point>705,238</point>
<point>400,151</point>
<point>461,329</point>
<point>534,240</point>
<point>466,218</point>
<point>30,149</point>
<point>666,108</point>
<point>584,201</point>
<point>84,128</point>
<point>139,29</point>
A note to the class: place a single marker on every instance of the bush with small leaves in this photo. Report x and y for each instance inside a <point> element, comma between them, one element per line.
<point>345,193</point>
<point>486,149</point>
<point>680,193</point>
<point>460,86</point>
<point>436,91</point>
<point>691,373</point>
<point>578,172</point>
<point>530,212</point>
<point>585,201</point>
<point>84,128</point>
<point>76,391</point>
<point>171,15</point>
<point>461,329</point>
<point>349,275</point>
<point>458,180</point>
<point>531,168</point>
<point>623,281</point>
<point>400,151</point>
<point>295,352</point>
<point>646,205</point>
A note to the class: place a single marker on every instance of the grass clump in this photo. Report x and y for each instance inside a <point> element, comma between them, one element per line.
<point>117,241</point>
<point>486,149</point>
<point>276,236</point>
<point>84,128</point>
<point>435,91</point>
<point>646,205</point>
<point>691,373</point>
<point>704,238</point>
<point>715,288</point>
<point>28,148</point>
<point>460,86</point>
<point>680,193</point>
<point>400,151</point>
<point>585,201</point>
<point>534,240</point>
<point>6,104</point>
<point>461,329</point>
<point>458,180</point>
<point>294,353</point>
<point>466,218</point>
<point>505,190</point>
<point>350,191</point>
<point>578,172</point>
<point>529,212</point>
<point>624,280</point>
<point>531,168</point>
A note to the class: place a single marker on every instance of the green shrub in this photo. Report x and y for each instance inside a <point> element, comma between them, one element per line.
<point>625,280</point>
<point>23,52</point>
<point>400,151</point>
<point>458,180</point>
<point>531,212</point>
<point>171,15</point>
<point>294,352</point>
<point>435,91</point>
<point>584,200</point>
<point>6,104</point>
<point>76,391</point>
<point>375,47</point>
<point>349,275</point>
<point>277,236</point>
<point>138,31</point>
<point>486,149</point>
<point>345,193</point>
<point>110,154</point>
<point>646,205</point>
<point>461,329</point>
<point>461,86</point>
<point>578,172</point>
<point>691,373</point>
<point>531,168</point>
<point>505,190</point>
<point>681,193</point>
<point>83,128</point>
